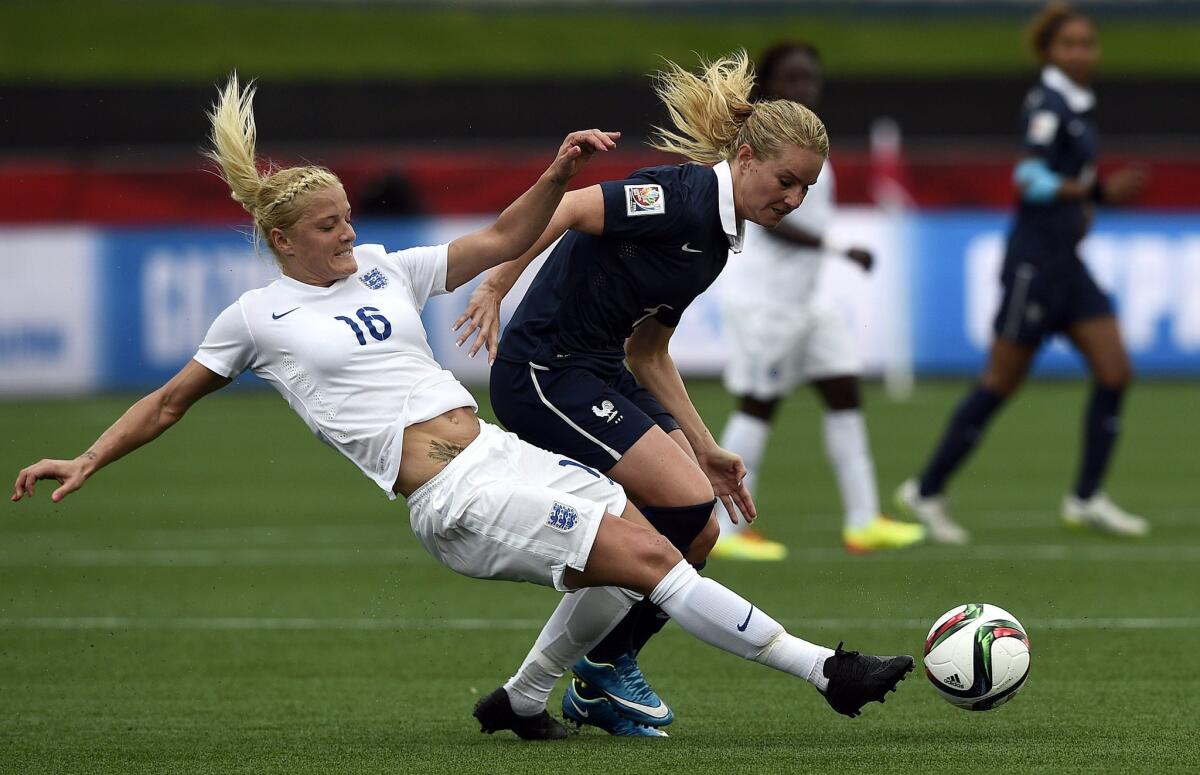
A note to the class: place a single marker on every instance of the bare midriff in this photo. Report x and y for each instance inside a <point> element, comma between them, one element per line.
<point>429,446</point>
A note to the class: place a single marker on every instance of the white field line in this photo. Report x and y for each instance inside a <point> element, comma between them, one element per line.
<point>332,555</point>
<point>199,537</point>
<point>532,625</point>
<point>333,533</point>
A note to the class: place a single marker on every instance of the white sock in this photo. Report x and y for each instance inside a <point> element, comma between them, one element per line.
<point>747,436</point>
<point>850,454</point>
<point>581,619</point>
<point>723,619</point>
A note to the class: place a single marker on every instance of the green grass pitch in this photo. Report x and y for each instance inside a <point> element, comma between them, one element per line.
<point>236,598</point>
<point>202,40</point>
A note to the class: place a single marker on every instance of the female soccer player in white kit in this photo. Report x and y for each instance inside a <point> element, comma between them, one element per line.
<point>780,336</point>
<point>339,335</point>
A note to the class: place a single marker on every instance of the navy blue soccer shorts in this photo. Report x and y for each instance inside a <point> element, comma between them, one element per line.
<point>574,412</point>
<point>1037,304</point>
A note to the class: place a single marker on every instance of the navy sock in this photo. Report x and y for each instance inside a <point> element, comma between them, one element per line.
<point>620,639</point>
<point>1101,426</point>
<point>680,526</point>
<point>966,426</point>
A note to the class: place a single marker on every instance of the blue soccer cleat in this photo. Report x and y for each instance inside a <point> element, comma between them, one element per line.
<point>622,683</point>
<point>599,712</point>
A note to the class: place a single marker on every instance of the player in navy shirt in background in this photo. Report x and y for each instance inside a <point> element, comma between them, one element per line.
<point>634,254</point>
<point>1047,288</point>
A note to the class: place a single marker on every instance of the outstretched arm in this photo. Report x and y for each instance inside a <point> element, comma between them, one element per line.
<point>581,210</point>
<point>142,423</point>
<point>802,237</point>
<point>1038,184</point>
<point>648,358</point>
<point>522,222</point>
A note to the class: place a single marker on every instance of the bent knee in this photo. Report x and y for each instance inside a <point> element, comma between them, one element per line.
<point>1000,383</point>
<point>656,554</point>
<point>1118,378</point>
<point>703,543</point>
<point>697,489</point>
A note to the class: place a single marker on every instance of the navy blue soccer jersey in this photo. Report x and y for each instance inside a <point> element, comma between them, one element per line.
<point>1047,289</point>
<point>667,235</point>
<point>1056,127</point>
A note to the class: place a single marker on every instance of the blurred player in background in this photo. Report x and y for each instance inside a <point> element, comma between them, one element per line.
<point>583,368</point>
<point>779,336</point>
<point>1047,289</point>
<point>339,335</point>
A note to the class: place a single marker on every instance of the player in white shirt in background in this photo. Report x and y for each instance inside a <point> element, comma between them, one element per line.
<point>780,336</point>
<point>339,335</point>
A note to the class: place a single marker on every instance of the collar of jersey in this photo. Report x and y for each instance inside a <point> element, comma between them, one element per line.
<point>735,228</point>
<point>1078,98</point>
<point>296,285</point>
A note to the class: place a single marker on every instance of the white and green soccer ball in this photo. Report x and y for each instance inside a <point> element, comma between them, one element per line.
<point>977,656</point>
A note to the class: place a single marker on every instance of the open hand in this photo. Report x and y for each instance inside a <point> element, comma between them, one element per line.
<point>483,313</point>
<point>70,474</point>
<point>726,472</point>
<point>577,150</point>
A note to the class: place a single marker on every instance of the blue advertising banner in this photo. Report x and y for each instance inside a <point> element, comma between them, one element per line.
<point>108,309</point>
<point>1150,264</point>
<point>161,289</point>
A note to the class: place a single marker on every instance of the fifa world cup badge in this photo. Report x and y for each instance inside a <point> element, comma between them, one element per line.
<point>644,200</point>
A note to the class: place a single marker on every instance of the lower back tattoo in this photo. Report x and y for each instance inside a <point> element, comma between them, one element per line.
<point>443,451</point>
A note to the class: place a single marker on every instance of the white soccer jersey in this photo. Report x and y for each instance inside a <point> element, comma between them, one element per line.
<point>351,359</point>
<point>772,271</point>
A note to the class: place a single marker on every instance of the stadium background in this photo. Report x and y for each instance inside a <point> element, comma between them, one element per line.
<point>238,599</point>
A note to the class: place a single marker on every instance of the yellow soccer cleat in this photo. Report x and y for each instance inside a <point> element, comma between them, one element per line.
<point>750,545</point>
<point>881,534</point>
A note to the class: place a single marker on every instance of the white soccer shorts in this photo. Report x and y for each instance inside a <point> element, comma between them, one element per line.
<point>774,349</point>
<point>504,509</point>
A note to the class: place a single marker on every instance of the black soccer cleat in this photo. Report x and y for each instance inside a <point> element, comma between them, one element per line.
<point>495,712</point>
<point>856,679</point>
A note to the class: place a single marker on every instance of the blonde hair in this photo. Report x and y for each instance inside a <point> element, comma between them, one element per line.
<point>714,115</point>
<point>275,197</point>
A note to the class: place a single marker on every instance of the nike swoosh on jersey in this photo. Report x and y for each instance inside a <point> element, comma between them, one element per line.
<point>290,311</point>
<point>660,712</point>
<point>687,248</point>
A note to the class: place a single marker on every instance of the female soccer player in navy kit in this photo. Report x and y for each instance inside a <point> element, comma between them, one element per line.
<point>1047,289</point>
<point>339,335</point>
<point>634,254</point>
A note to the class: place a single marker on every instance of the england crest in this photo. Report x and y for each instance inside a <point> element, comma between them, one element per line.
<point>562,517</point>
<point>373,279</point>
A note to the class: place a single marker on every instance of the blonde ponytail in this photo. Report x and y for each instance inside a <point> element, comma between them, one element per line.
<point>274,198</point>
<point>713,114</point>
<point>708,110</point>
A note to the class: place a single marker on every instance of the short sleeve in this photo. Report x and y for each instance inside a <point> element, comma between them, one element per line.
<point>425,268</point>
<point>1039,126</point>
<point>651,207</point>
<point>669,317</point>
<point>228,348</point>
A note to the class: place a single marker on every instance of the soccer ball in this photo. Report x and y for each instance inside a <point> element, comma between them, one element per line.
<point>977,656</point>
